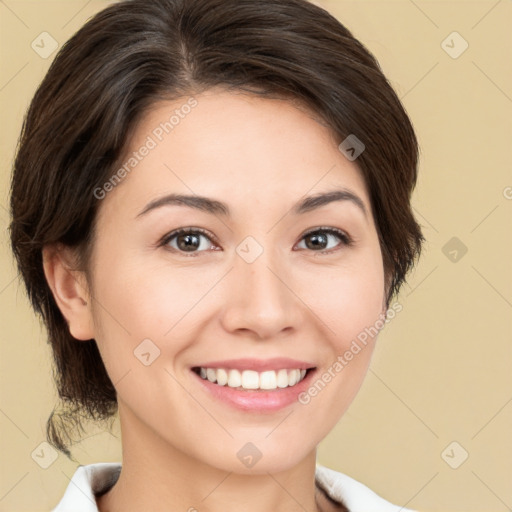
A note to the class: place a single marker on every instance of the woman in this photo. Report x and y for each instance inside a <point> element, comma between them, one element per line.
<point>211,212</point>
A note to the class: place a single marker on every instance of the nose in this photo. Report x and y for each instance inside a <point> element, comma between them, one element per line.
<point>260,299</point>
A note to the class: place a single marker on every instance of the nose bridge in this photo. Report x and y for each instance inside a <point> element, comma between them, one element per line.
<point>260,298</point>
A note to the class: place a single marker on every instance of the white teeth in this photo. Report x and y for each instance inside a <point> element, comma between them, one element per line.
<point>222,377</point>
<point>234,379</point>
<point>268,380</point>
<point>250,379</point>
<point>282,379</point>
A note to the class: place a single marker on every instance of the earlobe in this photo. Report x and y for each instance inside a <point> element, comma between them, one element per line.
<point>70,291</point>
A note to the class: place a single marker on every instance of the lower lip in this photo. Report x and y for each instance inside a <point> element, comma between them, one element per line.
<point>256,400</point>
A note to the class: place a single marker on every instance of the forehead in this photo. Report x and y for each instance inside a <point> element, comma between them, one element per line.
<point>234,146</point>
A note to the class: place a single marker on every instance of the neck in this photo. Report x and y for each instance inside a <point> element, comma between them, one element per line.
<point>157,476</point>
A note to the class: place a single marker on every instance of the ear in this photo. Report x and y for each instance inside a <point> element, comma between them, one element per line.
<point>70,290</point>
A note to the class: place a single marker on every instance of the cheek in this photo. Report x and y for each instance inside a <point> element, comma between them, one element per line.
<point>347,298</point>
<point>349,301</point>
<point>140,302</point>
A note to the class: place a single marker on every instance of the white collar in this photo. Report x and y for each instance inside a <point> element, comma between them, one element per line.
<point>94,478</point>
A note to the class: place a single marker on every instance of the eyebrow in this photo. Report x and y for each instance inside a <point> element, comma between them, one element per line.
<point>215,207</point>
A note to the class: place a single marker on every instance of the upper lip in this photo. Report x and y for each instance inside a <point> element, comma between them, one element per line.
<point>259,365</point>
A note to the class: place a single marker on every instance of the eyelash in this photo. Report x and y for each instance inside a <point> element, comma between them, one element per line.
<point>345,239</point>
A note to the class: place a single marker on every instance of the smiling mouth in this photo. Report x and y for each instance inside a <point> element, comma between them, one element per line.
<point>251,380</point>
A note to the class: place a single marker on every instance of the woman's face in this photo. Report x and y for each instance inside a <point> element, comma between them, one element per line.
<point>264,279</point>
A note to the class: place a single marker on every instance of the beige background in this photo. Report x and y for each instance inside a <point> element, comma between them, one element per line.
<point>442,369</point>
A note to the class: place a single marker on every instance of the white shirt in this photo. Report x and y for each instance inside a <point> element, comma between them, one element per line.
<point>94,478</point>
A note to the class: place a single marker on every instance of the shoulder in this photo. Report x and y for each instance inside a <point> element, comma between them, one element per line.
<point>353,494</point>
<point>88,481</point>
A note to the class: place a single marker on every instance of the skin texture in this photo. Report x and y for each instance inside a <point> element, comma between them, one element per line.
<point>260,156</point>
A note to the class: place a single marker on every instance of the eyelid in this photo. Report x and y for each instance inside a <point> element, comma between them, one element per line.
<point>347,239</point>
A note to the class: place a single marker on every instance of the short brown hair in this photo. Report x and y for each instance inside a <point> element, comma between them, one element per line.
<point>134,53</point>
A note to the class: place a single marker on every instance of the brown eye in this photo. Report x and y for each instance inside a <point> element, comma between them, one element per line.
<point>187,240</point>
<point>319,239</point>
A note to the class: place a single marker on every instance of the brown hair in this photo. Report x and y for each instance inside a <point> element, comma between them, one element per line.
<point>134,53</point>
